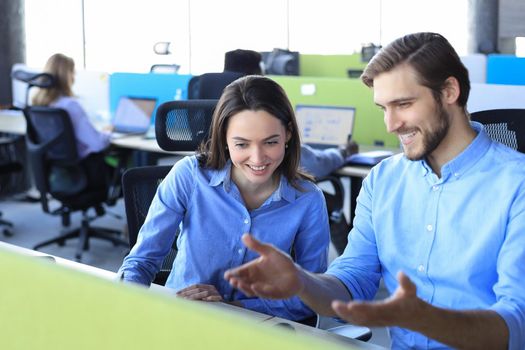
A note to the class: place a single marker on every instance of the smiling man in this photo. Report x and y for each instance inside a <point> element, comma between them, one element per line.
<point>443,223</point>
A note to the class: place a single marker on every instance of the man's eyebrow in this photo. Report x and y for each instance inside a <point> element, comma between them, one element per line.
<point>397,101</point>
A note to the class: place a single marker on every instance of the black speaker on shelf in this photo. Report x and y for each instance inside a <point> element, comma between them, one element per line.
<point>281,62</point>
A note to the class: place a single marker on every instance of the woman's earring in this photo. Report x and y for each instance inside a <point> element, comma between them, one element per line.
<point>286,145</point>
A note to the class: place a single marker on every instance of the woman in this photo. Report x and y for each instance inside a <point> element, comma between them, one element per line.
<point>244,179</point>
<point>60,95</point>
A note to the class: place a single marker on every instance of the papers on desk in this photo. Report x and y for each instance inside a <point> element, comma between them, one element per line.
<point>368,158</point>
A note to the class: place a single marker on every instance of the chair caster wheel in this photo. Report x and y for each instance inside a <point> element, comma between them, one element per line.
<point>7,232</point>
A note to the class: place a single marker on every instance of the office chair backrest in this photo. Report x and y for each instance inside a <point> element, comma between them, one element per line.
<point>41,80</point>
<point>506,126</point>
<point>52,150</point>
<point>210,85</point>
<point>183,125</point>
<point>51,129</point>
<point>244,61</point>
<point>139,186</point>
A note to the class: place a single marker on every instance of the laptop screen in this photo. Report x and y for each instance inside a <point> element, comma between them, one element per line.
<point>325,126</point>
<point>133,114</point>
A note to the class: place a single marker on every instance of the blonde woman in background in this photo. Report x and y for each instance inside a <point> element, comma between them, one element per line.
<point>60,95</point>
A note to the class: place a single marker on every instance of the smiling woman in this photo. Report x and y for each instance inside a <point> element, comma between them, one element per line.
<point>245,178</point>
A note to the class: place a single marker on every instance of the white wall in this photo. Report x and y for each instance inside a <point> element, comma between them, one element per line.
<point>493,96</point>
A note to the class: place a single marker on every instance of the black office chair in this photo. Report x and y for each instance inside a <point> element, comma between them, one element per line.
<point>140,185</point>
<point>78,184</point>
<point>506,126</point>
<point>183,125</point>
<point>179,126</point>
<point>41,80</point>
<point>243,61</point>
<point>210,85</point>
<point>8,166</point>
<point>334,194</point>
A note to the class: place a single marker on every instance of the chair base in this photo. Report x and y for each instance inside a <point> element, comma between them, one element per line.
<point>84,233</point>
<point>8,226</point>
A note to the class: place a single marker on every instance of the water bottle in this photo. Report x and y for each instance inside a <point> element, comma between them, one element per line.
<point>178,94</point>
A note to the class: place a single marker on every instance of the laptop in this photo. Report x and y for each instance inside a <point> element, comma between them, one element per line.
<point>133,116</point>
<point>325,126</point>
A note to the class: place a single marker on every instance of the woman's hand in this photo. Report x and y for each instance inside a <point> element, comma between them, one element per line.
<point>202,292</point>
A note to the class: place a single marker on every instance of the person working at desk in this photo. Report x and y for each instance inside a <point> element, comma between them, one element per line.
<point>443,224</point>
<point>60,95</point>
<point>318,162</point>
<point>245,178</point>
<point>91,144</point>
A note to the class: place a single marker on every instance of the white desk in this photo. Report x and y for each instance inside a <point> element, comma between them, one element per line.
<point>264,319</point>
<point>13,122</point>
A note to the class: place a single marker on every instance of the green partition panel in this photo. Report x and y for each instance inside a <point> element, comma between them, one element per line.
<point>369,126</point>
<point>336,66</point>
<point>46,306</point>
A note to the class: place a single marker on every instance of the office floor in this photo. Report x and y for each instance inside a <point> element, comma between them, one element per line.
<point>32,226</point>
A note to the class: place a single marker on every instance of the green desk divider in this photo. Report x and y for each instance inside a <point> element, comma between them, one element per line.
<point>47,306</point>
<point>335,66</point>
<point>369,125</point>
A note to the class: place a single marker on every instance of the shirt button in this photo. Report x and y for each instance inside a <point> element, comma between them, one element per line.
<point>429,228</point>
<point>435,188</point>
<point>239,251</point>
<point>456,174</point>
<point>421,268</point>
<point>246,221</point>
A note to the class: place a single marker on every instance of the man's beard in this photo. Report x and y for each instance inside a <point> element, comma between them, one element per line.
<point>432,139</point>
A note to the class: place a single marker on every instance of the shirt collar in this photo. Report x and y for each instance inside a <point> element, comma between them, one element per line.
<point>466,159</point>
<point>222,176</point>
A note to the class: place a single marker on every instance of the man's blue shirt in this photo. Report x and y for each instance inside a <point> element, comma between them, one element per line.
<point>211,213</point>
<point>460,238</point>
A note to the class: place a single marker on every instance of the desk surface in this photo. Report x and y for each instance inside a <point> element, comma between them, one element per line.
<point>12,122</point>
<point>225,310</point>
<point>363,170</point>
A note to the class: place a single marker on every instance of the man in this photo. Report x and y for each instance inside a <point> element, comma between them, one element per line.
<point>443,224</point>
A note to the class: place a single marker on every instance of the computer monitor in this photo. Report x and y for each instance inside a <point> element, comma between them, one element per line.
<point>133,114</point>
<point>325,126</point>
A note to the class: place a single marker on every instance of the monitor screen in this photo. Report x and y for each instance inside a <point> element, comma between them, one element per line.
<point>134,114</point>
<point>326,126</point>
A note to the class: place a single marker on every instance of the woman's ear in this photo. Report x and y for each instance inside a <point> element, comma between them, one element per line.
<point>289,132</point>
<point>451,90</point>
